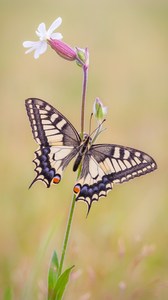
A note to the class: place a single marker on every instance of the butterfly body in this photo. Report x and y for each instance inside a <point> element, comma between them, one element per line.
<point>82,150</point>
<point>101,164</point>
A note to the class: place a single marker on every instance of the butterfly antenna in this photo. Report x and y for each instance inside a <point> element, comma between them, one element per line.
<point>98,127</point>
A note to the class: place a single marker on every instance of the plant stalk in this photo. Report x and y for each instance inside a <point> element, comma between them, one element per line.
<point>67,234</point>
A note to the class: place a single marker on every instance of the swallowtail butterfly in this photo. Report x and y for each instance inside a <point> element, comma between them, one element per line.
<point>102,164</point>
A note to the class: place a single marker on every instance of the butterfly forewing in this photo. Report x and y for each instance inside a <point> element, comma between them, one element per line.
<point>58,140</point>
<point>106,164</point>
<point>49,126</point>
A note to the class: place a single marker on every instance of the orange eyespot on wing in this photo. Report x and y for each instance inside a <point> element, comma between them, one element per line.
<point>57,179</point>
<point>77,188</point>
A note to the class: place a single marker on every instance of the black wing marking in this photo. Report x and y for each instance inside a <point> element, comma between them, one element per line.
<point>49,126</point>
<point>105,164</point>
<point>58,139</point>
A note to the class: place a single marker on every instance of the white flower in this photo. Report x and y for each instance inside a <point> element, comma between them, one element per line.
<point>40,46</point>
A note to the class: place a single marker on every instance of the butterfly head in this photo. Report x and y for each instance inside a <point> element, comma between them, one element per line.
<point>87,139</point>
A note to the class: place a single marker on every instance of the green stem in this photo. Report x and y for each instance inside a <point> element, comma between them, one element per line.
<point>67,234</point>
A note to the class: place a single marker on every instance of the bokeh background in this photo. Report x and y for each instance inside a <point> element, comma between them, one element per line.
<point>121,250</point>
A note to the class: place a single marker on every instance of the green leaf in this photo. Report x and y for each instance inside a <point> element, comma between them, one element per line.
<point>61,284</point>
<point>53,275</point>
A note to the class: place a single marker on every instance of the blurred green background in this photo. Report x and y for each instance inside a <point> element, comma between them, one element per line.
<point>120,250</point>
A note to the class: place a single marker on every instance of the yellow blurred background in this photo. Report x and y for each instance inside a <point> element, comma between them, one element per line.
<point>121,250</point>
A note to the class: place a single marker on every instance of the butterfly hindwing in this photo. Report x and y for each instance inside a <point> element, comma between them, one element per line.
<point>50,163</point>
<point>105,164</point>
<point>58,140</point>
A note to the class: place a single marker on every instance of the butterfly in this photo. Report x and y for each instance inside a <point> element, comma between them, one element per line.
<point>101,164</point>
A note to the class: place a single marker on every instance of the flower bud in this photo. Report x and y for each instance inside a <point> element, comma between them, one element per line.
<point>99,110</point>
<point>83,57</point>
<point>63,49</point>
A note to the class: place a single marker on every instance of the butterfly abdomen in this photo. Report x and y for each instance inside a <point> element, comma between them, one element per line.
<point>77,162</point>
<point>82,151</point>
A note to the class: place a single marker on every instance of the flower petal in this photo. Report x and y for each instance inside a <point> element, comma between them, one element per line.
<point>28,44</point>
<point>41,30</point>
<point>54,25</point>
<point>29,50</point>
<point>56,36</point>
<point>33,46</point>
<point>43,47</point>
<point>38,47</point>
<point>36,54</point>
